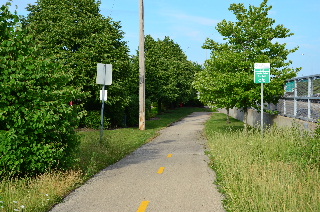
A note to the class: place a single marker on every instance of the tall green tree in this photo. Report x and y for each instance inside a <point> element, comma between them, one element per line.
<point>37,124</point>
<point>227,80</point>
<point>169,74</point>
<point>76,33</point>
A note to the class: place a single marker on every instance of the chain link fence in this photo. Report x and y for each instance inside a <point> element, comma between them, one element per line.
<point>301,99</point>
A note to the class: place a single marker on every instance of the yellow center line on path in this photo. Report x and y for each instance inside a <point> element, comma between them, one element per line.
<point>170,155</point>
<point>143,206</point>
<point>161,169</point>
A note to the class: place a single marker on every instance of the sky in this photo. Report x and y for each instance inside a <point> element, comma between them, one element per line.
<point>189,23</point>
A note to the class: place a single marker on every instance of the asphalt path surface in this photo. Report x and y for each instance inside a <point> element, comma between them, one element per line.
<point>171,173</point>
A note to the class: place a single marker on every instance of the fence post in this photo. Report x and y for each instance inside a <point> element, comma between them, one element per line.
<point>310,93</point>
<point>295,103</point>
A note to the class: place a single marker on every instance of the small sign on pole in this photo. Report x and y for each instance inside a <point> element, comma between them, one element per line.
<point>104,74</point>
<point>104,77</point>
<point>105,97</point>
<point>262,75</point>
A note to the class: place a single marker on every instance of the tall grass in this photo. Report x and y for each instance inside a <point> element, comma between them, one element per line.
<point>36,194</point>
<point>277,172</point>
<point>41,193</point>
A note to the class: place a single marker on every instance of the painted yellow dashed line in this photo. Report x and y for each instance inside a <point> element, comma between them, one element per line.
<point>143,206</point>
<point>161,170</point>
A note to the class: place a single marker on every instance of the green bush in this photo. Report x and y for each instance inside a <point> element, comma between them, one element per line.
<point>132,112</point>
<point>149,113</point>
<point>93,120</point>
<point>36,121</point>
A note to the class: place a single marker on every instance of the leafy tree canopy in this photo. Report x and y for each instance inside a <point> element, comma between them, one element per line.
<point>227,80</point>
<point>76,33</point>
<point>169,74</point>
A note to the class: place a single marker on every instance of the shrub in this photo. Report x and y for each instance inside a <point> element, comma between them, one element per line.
<point>36,121</point>
<point>93,120</point>
<point>132,112</point>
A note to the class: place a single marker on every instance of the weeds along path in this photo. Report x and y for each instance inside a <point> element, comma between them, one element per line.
<point>171,173</point>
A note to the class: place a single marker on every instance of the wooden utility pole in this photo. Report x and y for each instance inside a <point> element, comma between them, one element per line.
<point>142,71</point>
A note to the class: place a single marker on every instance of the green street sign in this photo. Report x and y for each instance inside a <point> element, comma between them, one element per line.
<point>290,86</point>
<point>262,73</point>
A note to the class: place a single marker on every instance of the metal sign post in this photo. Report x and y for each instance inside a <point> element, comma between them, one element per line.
<point>262,75</point>
<point>102,114</point>
<point>261,115</point>
<point>104,77</point>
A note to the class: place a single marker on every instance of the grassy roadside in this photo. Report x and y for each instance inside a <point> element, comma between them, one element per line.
<point>41,193</point>
<point>280,172</point>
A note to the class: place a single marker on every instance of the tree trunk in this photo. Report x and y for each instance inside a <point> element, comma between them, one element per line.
<point>159,106</point>
<point>245,118</point>
<point>228,116</point>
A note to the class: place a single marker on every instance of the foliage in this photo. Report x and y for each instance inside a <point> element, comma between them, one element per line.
<point>36,121</point>
<point>76,33</point>
<point>227,80</point>
<point>131,117</point>
<point>270,173</point>
<point>169,74</point>
<point>93,120</point>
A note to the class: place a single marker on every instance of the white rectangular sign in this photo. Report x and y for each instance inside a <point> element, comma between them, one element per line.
<point>104,74</point>
<point>262,66</point>
<point>105,95</point>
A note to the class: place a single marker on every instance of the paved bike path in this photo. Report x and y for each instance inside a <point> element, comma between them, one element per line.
<point>170,173</point>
